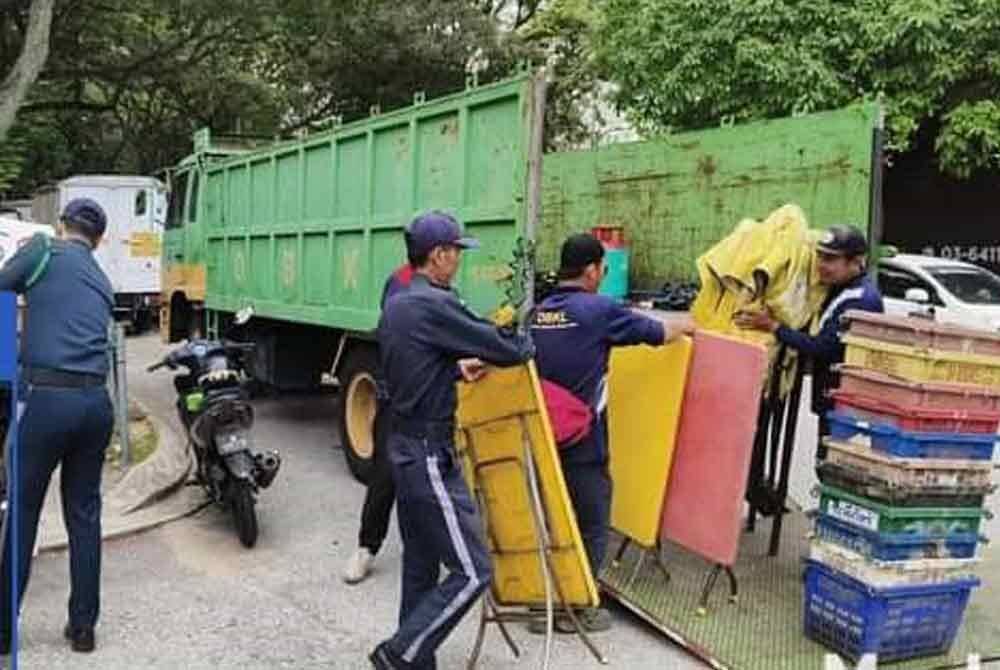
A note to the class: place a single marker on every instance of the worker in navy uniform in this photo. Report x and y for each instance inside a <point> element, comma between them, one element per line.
<point>68,417</point>
<point>840,259</point>
<point>574,330</point>
<point>380,493</point>
<point>427,341</point>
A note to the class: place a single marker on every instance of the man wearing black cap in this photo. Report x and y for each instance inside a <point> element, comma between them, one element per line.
<point>67,417</point>
<point>840,260</point>
<point>574,329</point>
<point>427,340</point>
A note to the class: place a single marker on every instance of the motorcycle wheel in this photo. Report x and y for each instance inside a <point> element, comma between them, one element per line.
<point>244,514</point>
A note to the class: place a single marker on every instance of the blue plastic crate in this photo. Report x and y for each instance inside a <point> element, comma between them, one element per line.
<point>895,546</point>
<point>891,440</point>
<point>897,623</point>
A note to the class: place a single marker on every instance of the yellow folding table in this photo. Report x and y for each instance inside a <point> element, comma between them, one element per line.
<point>512,466</point>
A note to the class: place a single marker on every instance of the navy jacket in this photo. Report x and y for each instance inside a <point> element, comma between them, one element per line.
<point>574,332</point>
<point>69,307</point>
<point>825,349</point>
<point>422,334</point>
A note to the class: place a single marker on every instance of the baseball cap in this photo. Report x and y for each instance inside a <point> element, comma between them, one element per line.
<point>435,229</point>
<point>86,215</point>
<point>843,240</point>
<point>579,251</point>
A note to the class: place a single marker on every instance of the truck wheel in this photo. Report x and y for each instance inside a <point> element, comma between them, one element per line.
<point>357,406</point>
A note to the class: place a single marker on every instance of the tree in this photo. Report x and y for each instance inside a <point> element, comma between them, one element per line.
<point>561,34</point>
<point>128,81</point>
<point>691,63</point>
<point>23,74</point>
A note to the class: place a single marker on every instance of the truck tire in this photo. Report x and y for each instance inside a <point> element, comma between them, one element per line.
<point>356,406</point>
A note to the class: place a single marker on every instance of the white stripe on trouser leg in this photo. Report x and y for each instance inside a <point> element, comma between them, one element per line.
<point>469,590</point>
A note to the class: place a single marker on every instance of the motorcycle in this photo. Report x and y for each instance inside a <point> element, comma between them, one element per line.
<point>214,409</point>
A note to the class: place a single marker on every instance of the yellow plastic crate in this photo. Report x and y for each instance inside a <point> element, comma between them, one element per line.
<point>922,365</point>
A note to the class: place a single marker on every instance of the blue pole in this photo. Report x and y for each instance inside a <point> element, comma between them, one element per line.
<point>13,516</point>
<point>9,376</point>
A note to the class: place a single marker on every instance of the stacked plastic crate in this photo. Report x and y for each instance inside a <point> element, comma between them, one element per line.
<point>908,466</point>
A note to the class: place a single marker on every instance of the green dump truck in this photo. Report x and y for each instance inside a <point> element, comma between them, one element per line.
<point>306,231</point>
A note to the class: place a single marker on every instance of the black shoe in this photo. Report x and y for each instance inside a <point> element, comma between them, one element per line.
<point>383,658</point>
<point>81,639</point>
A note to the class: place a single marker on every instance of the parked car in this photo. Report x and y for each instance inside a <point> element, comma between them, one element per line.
<point>949,291</point>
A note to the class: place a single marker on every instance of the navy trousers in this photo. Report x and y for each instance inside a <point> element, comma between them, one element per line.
<point>71,427</point>
<point>440,525</point>
<point>589,487</point>
<point>381,492</point>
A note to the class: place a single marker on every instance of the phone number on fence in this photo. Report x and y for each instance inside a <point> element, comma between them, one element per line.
<point>973,254</point>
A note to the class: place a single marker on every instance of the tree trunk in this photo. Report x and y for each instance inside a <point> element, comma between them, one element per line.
<point>35,51</point>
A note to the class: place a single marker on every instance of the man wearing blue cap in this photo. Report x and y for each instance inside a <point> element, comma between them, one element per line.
<point>67,417</point>
<point>427,339</point>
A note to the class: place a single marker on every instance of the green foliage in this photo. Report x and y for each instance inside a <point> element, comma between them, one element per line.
<point>128,81</point>
<point>971,137</point>
<point>562,36</point>
<point>693,63</point>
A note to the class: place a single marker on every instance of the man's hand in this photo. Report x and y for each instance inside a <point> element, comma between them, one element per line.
<point>472,369</point>
<point>762,320</point>
<point>681,326</point>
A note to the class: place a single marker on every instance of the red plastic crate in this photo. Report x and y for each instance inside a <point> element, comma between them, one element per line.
<point>915,418</point>
<point>901,392</point>
<point>922,333</point>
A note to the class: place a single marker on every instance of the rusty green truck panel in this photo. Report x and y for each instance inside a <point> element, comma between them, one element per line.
<point>308,231</point>
<point>679,195</point>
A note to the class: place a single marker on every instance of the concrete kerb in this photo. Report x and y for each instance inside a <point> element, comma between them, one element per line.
<point>166,469</point>
<point>151,494</point>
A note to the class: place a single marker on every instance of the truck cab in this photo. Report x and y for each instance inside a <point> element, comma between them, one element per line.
<point>183,255</point>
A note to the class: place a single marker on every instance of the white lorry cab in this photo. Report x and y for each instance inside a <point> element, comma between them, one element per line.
<point>136,208</point>
<point>948,291</point>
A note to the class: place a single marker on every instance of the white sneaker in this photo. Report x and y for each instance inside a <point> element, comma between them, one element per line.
<point>359,566</point>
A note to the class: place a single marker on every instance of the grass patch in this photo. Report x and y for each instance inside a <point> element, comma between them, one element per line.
<point>143,441</point>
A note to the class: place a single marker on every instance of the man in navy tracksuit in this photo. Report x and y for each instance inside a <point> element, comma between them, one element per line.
<point>68,417</point>
<point>426,337</point>
<point>380,493</point>
<point>840,257</point>
<point>574,330</point>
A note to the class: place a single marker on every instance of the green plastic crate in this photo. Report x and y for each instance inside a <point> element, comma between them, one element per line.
<point>881,518</point>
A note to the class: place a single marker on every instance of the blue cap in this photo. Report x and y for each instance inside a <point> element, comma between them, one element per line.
<point>435,229</point>
<point>86,215</point>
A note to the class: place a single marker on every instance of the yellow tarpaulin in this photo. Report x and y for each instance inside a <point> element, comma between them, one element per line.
<point>497,418</point>
<point>770,263</point>
<point>646,387</point>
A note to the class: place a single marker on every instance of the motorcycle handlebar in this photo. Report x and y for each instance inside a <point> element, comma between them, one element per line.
<point>156,366</point>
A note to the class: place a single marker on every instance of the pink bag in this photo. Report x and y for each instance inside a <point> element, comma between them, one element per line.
<point>570,417</point>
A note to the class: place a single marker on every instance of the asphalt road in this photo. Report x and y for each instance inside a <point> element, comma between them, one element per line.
<point>188,595</point>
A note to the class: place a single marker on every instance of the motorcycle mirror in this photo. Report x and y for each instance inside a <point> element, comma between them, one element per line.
<point>244,315</point>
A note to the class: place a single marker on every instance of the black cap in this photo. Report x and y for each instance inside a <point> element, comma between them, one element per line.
<point>843,240</point>
<point>86,215</point>
<point>435,229</point>
<point>579,251</point>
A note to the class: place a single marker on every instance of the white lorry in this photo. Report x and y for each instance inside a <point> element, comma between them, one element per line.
<point>130,253</point>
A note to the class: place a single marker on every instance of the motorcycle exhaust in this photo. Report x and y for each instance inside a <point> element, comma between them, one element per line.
<point>268,464</point>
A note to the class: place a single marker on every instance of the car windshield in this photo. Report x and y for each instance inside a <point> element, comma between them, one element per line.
<point>972,285</point>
